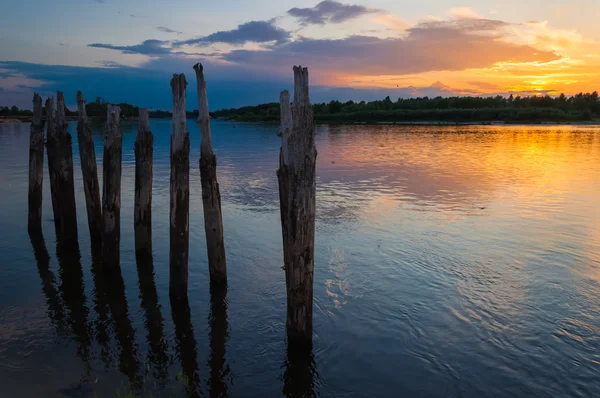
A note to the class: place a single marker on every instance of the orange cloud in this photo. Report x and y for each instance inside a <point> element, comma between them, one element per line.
<point>433,46</point>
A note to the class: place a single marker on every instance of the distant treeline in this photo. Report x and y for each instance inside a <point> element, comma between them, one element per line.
<point>579,107</point>
<point>96,110</point>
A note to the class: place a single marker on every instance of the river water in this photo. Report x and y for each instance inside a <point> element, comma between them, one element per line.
<point>449,261</point>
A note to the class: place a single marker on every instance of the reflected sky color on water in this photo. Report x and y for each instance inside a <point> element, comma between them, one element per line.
<point>450,261</point>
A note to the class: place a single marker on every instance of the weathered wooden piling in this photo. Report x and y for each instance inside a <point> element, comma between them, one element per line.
<point>180,192</point>
<point>211,197</point>
<point>36,168</point>
<point>143,186</point>
<point>89,171</point>
<point>297,192</point>
<point>60,169</point>
<point>111,192</point>
<point>53,163</point>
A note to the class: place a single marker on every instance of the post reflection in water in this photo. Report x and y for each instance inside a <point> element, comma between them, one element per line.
<point>55,310</point>
<point>129,363</point>
<point>220,373</point>
<point>300,376</point>
<point>499,224</point>
<point>101,307</point>
<point>73,295</point>
<point>185,345</point>
<point>154,321</point>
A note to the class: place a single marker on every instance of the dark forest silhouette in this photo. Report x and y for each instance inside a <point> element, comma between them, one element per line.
<point>453,109</point>
<point>580,107</point>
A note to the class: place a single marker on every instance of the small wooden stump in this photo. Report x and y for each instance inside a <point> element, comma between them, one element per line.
<point>180,192</point>
<point>211,197</point>
<point>36,168</point>
<point>143,186</point>
<point>111,193</point>
<point>60,168</point>
<point>89,171</point>
<point>297,193</point>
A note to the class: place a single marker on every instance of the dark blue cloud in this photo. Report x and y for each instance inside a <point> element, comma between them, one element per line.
<point>253,31</point>
<point>147,47</point>
<point>143,87</point>
<point>329,11</point>
<point>227,87</point>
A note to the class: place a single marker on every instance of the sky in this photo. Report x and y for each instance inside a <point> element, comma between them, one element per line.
<point>127,50</point>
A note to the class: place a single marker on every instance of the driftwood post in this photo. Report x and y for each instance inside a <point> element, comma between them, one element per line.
<point>60,169</point>
<point>211,197</point>
<point>89,171</point>
<point>111,192</point>
<point>143,186</point>
<point>297,191</point>
<point>36,168</point>
<point>53,162</point>
<point>180,192</point>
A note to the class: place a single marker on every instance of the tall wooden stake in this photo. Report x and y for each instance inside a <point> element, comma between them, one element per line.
<point>60,168</point>
<point>211,197</point>
<point>297,192</point>
<point>36,168</point>
<point>143,186</point>
<point>52,146</point>
<point>111,192</point>
<point>180,192</point>
<point>89,171</point>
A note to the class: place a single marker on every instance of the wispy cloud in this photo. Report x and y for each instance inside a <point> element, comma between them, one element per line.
<point>485,86</point>
<point>167,30</point>
<point>110,64</point>
<point>254,31</point>
<point>329,11</point>
<point>392,22</point>
<point>147,47</point>
<point>464,12</point>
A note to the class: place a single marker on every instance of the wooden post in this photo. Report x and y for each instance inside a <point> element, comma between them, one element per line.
<point>67,183</point>
<point>143,186</point>
<point>89,171</point>
<point>211,197</point>
<point>53,164</point>
<point>60,168</point>
<point>180,192</point>
<point>297,192</point>
<point>36,168</point>
<point>111,192</point>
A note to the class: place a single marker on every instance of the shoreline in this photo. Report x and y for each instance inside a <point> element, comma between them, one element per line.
<point>16,120</point>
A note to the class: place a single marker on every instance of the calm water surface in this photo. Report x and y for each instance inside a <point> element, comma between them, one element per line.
<point>450,261</point>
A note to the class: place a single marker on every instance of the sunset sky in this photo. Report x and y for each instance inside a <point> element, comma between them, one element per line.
<point>126,51</point>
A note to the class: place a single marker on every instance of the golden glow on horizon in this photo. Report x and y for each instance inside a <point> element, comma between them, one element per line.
<point>577,69</point>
